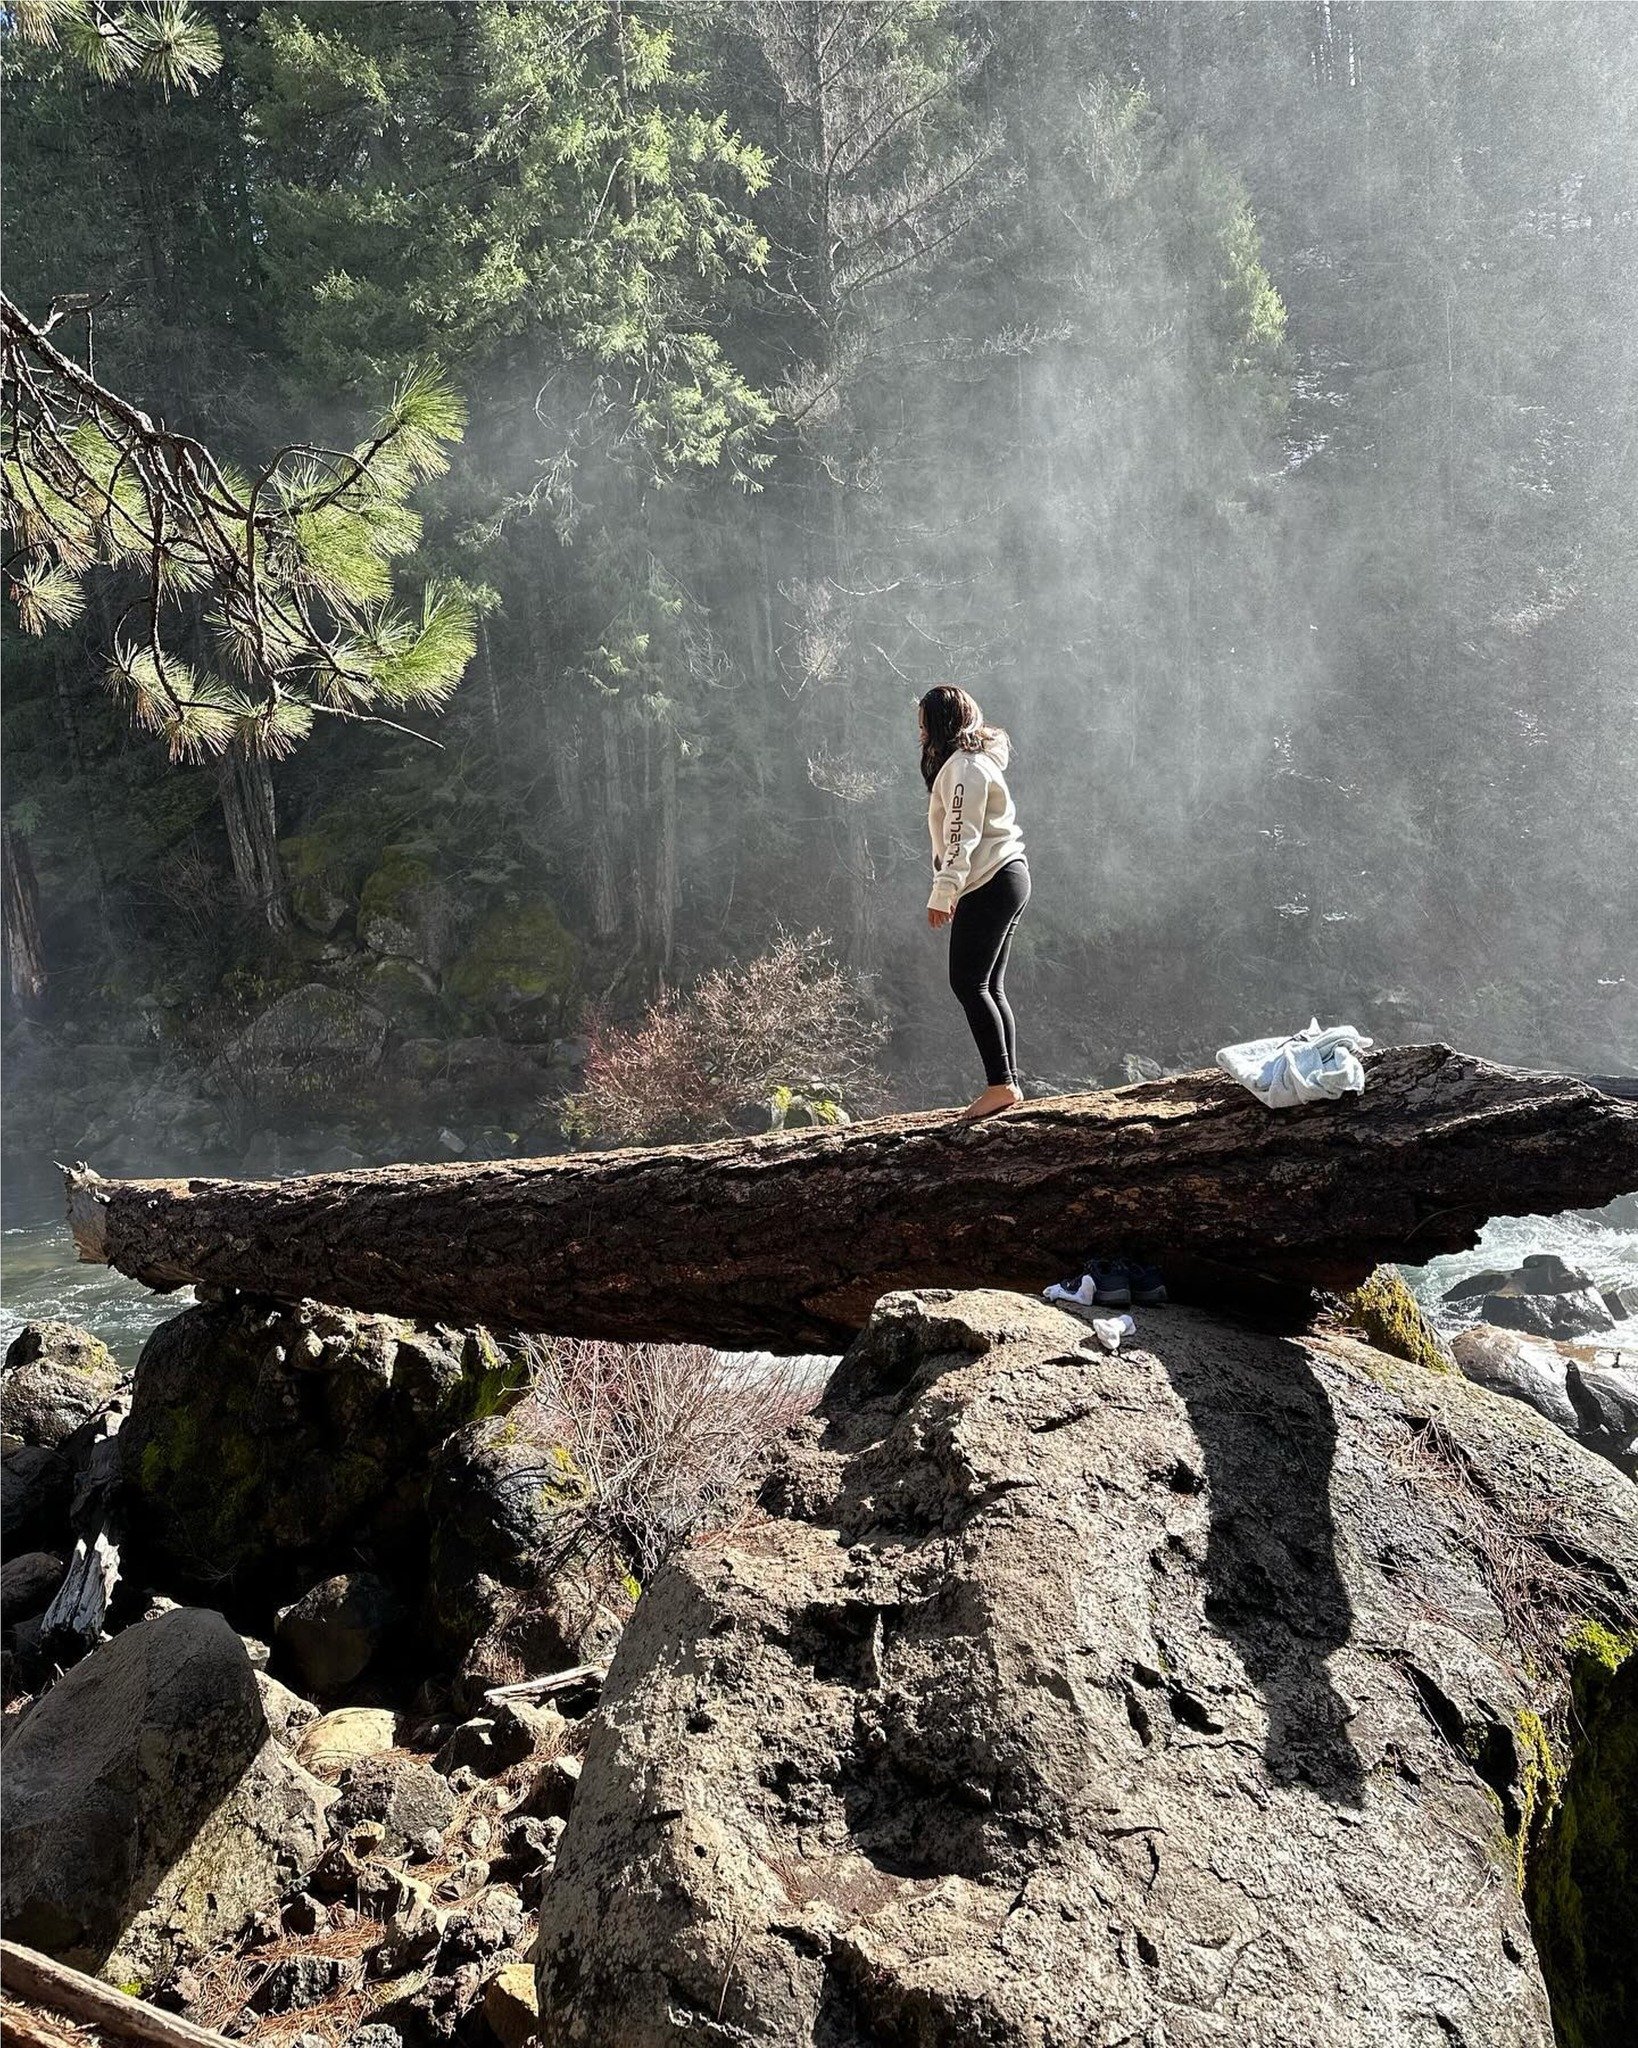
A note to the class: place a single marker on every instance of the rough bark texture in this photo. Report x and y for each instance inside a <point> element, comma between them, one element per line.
<point>787,1241</point>
<point>1200,1695</point>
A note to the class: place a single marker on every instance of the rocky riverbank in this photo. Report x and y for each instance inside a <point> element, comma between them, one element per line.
<point>1245,1686</point>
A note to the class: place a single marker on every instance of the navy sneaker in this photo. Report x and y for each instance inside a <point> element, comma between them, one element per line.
<point>1147,1286</point>
<point>1113,1282</point>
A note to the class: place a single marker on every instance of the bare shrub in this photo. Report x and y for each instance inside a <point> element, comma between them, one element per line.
<point>670,1437</point>
<point>787,1031</point>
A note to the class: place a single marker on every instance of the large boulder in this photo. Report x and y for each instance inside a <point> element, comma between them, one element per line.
<point>311,1033</point>
<point>36,1490</point>
<point>404,911</point>
<point>148,1811</point>
<point>266,1443</point>
<point>522,1580</point>
<point>1543,1296</point>
<point>1579,1388</point>
<point>27,1583</point>
<point>1192,1695</point>
<point>57,1378</point>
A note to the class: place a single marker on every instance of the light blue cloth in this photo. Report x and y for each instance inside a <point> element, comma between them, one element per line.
<point>1309,1066</point>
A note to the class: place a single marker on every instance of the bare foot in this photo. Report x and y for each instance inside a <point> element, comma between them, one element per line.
<point>1002,1096</point>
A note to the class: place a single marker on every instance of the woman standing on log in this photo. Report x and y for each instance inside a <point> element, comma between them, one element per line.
<point>980,876</point>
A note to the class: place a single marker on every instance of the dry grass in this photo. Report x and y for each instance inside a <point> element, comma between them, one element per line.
<point>1529,1557</point>
<point>671,1437</point>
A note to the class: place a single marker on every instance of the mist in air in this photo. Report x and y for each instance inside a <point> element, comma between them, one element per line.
<point>1239,400</point>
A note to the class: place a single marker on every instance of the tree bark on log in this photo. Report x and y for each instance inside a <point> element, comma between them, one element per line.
<point>787,1241</point>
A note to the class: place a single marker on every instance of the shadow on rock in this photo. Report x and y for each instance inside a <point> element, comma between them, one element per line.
<point>1273,1585</point>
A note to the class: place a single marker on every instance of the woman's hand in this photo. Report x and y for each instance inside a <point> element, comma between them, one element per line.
<point>938,919</point>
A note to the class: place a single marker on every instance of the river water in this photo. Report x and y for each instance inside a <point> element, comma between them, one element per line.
<point>41,1278</point>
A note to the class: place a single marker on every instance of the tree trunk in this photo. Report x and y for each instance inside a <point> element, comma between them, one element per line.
<point>787,1241</point>
<point>246,785</point>
<point>25,956</point>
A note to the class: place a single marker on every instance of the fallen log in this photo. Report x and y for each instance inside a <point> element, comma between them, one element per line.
<point>26,1975</point>
<point>787,1241</point>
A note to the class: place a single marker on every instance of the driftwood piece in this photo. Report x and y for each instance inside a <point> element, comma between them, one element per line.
<point>81,1601</point>
<point>786,1241</point>
<point>86,2001</point>
<point>552,1682</point>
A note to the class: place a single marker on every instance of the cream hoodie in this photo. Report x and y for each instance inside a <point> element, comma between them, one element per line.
<point>972,823</point>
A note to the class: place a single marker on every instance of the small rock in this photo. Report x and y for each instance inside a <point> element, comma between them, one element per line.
<point>474,1873</point>
<point>527,1843</point>
<point>257,1651</point>
<point>287,1712</point>
<point>179,1991</point>
<point>304,1915</point>
<point>375,2034</point>
<point>510,1733</point>
<point>382,1888</point>
<point>554,1788</point>
<point>428,1844</point>
<point>309,2041</point>
<point>406,1797</point>
<point>338,1739</point>
<point>413,1931</point>
<point>510,2005</point>
<point>336,1873</point>
<point>330,1634</point>
<point>295,1982</point>
<point>474,1932</point>
<point>1622,1302</point>
<point>27,1584</point>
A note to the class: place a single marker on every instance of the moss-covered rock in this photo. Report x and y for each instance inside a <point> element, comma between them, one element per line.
<point>404,911</point>
<point>1582,1886</point>
<point>314,1025</point>
<point>522,1576</point>
<point>405,992</point>
<point>148,1810</point>
<point>57,1378</point>
<point>269,1446</point>
<point>1390,1317</point>
<point>519,957</point>
<point>324,865</point>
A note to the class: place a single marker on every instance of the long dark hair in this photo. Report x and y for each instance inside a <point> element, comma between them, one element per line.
<point>952,719</point>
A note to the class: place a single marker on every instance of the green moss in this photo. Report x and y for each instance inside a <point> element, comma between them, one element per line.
<point>1608,1647</point>
<point>1541,1776</point>
<point>331,848</point>
<point>496,1392</point>
<point>633,1590</point>
<point>1389,1316</point>
<point>1582,1884</point>
<point>395,886</point>
<point>520,954</point>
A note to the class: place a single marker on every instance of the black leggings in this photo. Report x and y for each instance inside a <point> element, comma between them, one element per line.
<point>980,939</point>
